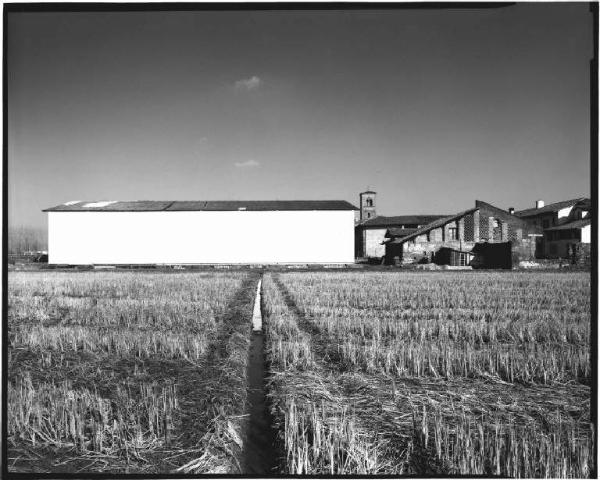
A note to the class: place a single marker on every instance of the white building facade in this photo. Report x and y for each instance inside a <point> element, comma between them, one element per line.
<point>254,232</point>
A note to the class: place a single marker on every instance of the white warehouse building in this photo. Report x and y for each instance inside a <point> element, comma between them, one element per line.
<point>201,232</point>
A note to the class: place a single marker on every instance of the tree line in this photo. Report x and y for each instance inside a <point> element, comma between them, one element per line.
<point>23,239</point>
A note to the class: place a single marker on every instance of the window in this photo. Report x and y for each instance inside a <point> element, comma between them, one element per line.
<point>452,233</point>
<point>369,202</point>
<point>496,223</point>
<point>368,214</point>
<point>545,223</point>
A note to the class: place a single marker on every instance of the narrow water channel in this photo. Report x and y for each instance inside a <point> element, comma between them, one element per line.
<point>260,457</point>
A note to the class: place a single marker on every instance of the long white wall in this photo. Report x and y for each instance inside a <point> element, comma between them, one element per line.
<point>78,238</point>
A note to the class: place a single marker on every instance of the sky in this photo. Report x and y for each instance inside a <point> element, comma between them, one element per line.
<point>431,108</point>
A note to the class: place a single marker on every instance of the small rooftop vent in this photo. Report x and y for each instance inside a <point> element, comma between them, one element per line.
<point>539,203</point>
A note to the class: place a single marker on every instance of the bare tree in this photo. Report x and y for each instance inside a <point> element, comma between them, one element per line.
<point>23,239</point>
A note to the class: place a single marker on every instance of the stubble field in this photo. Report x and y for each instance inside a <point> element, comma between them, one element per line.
<point>367,373</point>
<point>127,372</point>
<point>436,374</point>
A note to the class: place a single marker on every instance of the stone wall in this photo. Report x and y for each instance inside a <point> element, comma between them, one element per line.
<point>582,254</point>
<point>415,252</point>
<point>523,250</point>
<point>436,235</point>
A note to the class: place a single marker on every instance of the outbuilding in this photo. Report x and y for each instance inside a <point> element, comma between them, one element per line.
<point>373,229</point>
<point>201,232</point>
<point>459,233</point>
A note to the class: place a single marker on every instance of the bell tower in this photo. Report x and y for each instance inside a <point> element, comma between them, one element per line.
<point>367,205</point>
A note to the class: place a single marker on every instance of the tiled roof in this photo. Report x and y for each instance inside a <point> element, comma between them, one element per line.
<point>435,224</point>
<point>394,232</point>
<point>552,207</point>
<point>226,205</point>
<point>571,225</point>
<point>585,203</point>
<point>382,222</point>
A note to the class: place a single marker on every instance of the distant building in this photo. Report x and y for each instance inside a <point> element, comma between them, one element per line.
<point>546,216</point>
<point>459,233</point>
<point>564,225</point>
<point>371,229</point>
<point>201,232</point>
<point>562,240</point>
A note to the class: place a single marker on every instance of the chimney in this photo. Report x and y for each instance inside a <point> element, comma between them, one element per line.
<point>539,203</point>
<point>511,211</point>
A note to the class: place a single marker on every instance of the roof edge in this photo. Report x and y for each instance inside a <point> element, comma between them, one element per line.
<point>210,205</point>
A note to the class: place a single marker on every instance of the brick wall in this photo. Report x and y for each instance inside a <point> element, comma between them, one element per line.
<point>513,221</point>
<point>476,227</point>
<point>515,234</point>
<point>484,227</point>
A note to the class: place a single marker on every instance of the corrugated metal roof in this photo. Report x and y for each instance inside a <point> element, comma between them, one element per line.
<point>552,207</point>
<point>571,225</point>
<point>434,224</point>
<point>263,205</point>
<point>117,206</point>
<point>381,221</point>
<point>226,205</point>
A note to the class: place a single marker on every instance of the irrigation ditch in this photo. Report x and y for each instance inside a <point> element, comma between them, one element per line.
<point>260,454</point>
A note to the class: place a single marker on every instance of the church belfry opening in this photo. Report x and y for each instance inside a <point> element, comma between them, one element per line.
<point>367,205</point>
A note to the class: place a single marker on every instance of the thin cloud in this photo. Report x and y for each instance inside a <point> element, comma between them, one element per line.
<point>251,83</point>
<point>247,164</point>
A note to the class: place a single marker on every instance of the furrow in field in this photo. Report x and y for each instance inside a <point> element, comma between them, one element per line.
<point>259,440</point>
<point>453,378</point>
<point>320,430</point>
<point>301,320</point>
<point>143,371</point>
<point>223,418</point>
<point>367,403</point>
